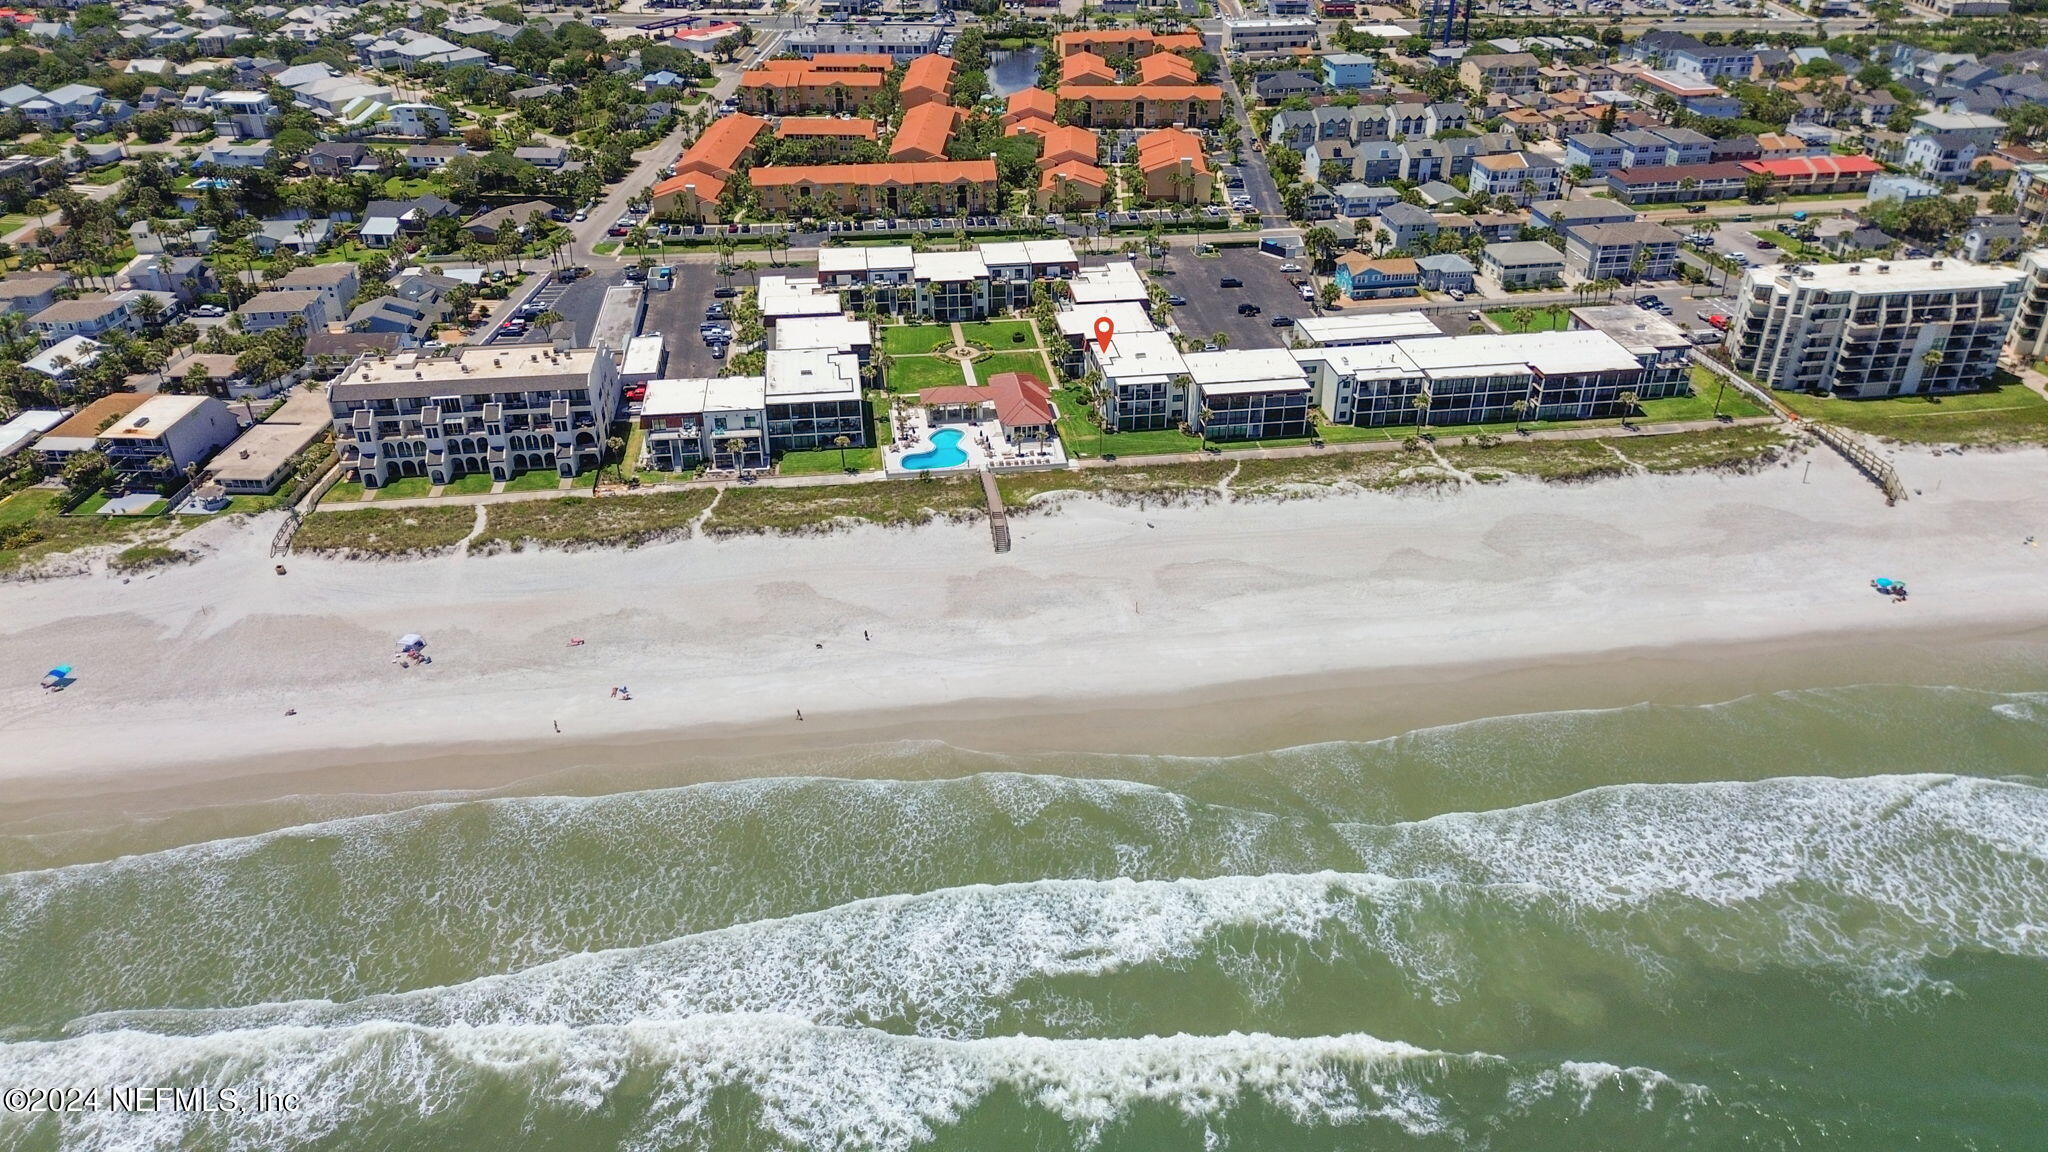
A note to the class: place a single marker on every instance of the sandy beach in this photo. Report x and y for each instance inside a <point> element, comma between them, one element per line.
<point>1202,628</point>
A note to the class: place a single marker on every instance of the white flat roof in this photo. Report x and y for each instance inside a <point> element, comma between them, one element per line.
<point>812,374</point>
<point>1124,316</point>
<point>782,296</point>
<point>1241,365</point>
<point>1107,283</point>
<point>1139,354</point>
<point>1637,329</point>
<point>1373,328</point>
<point>1552,353</point>
<point>950,267</point>
<point>1014,252</point>
<point>1901,276</point>
<point>1252,387</point>
<point>26,426</point>
<point>892,257</point>
<point>1373,361</point>
<point>154,416</point>
<point>643,355</point>
<point>832,333</point>
<point>688,397</point>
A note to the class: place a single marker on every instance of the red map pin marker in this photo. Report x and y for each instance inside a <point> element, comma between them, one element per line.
<point>1105,330</point>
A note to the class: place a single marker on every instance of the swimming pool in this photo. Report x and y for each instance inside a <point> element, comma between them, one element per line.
<point>945,452</point>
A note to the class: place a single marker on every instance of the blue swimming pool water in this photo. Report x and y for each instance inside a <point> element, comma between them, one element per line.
<point>945,452</point>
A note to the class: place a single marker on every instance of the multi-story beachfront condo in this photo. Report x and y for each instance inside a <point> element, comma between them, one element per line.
<point>2030,321</point>
<point>1241,394</point>
<point>947,286</point>
<point>1474,379</point>
<point>499,411</point>
<point>805,399</point>
<point>1874,328</point>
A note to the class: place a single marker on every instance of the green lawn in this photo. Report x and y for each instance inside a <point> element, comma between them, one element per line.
<point>405,488</point>
<point>989,366</point>
<point>1084,437</point>
<point>33,511</point>
<point>408,187</point>
<point>468,485</point>
<point>1541,321</point>
<point>915,339</point>
<point>1794,246</point>
<point>13,221</point>
<point>1002,334</point>
<point>826,461</point>
<point>2009,415</point>
<point>344,492</point>
<point>538,480</point>
<point>26,505</point>
<point>916,373</point>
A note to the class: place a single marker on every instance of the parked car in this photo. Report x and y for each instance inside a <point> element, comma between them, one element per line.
<point>1283,321</point>
<point>572,274</point>
<point>1766,245</point>
<point>725,292</point>
<point>1307,293</point>
<point>636,275</point>
<point>1290,266</point>
<point>1457,294</point>
<point>715,312</point>
<point>1230,282</point>
<point>617,230</point>
<point>209,310</point>
<point>1695,209</point>
<point>580,216</point>
<point>1178,301</point>
<point>1248,309</point>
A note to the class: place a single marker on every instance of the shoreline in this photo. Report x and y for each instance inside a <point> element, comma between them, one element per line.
<point>1188,631</point>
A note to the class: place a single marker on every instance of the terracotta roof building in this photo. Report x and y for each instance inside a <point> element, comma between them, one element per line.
<point>1029,104</point>
<point>1070,186</point>
<point>1066,142</point>
<point>1173,166</point>
<point>1019,401</point>
<point>945,186</point>
<point>1086,68</point>
<point>1116,43</point>
<point>928,80</point>
<point>924,133</point>
<point>1165,68</point>
<point>811,88</point>
<point>701,173</point>
<point>1146,105</point>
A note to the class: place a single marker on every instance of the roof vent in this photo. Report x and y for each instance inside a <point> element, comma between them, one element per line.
<point>1855,269</point>
<point>1883,269</point>
<point>141,421</point>
<point>1936,265</point>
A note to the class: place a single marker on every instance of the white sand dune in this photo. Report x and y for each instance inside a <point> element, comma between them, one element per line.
<point>1097,604</point>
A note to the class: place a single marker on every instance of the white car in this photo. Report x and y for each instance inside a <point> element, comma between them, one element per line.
<point>1290,266</point>
<point>581,216</point>
<point>1308,294</point>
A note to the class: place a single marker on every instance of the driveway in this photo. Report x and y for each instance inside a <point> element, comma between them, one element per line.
<point>1211,308</point>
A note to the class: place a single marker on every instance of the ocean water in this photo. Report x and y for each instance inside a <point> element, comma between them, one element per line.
<point>1808,920</point>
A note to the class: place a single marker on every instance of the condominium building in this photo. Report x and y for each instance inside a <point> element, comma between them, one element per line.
<point>780,87</point>
<point>899,42</point>
<point>499,411</point>
<point>1145,105</point>
<point>1247,394</point>
<point>941,187</point>
<point>1624,252</point>
<point>2030,320</point>
<point>1144,382</point>
<point>1874,328</point>
<point>1256,34</point>
<point>805,399</point>
<point>990,279</point>
<point>1474,379</point>
<point>164,435</point>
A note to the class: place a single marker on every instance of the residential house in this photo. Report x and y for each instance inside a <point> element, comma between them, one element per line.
<point>278,308</point>
<point>89,316</point>
<point>1680,184</point>
<point>1273,87</point>
<point>1508,73</point>
<point>334,158</point>
<point>30,292</point>
<point>1445,272</point>
<point>416,120</point>
<point>1597,151</point>
<point>1523,177</point>
<point>1355,199</point>
<point>1944,156</point>
<point>1361,277</point>
<point>1404,225</point>
<point>161,437</point>
<point>1347,71</point>
<point>336,282</point>
<point>1690,57</point>
<point>304,236</point>
<point>1994,239</point>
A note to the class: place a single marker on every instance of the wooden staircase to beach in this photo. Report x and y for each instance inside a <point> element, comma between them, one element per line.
<point>998,517</point>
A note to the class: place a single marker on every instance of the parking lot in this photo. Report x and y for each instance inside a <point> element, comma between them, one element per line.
<point>1211,308</point>
<point>677,312</point>
<point>578,304</point>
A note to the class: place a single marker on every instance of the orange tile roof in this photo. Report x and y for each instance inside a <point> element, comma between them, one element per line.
<point>1030,102</point>
<point>1165,68</point>
<point>924,133</point>
<point>899,173</point>
<point>709,187</point>
<point>1036,125</point>
<point>1205,92</point>
<point>1178,42</point>
<point>1020,399</point>
<point>846,62</point>
<point>1068,142</point>
<point>1166,147</point>
<point>832,126</point>
<point>930,76</point>
<point>1082,67</point>
<point>1075,171</point>
<point>793,79</point>
<point>1816,166</point>
<point>1085,37</point>
<point>718,151</point>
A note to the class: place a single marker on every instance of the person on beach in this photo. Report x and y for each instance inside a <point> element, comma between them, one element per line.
<point>799,714</point>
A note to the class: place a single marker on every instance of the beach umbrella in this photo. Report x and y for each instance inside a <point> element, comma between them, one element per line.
<point>411,640</point>
<point>58,675</point>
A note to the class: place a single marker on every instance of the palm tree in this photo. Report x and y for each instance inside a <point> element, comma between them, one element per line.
<point>1205,416</point>
<point>1220,339</point>
<point>1628,401</point>
<point>1421,405</point>
<point>1524,317</point>
<point>1931,360</point>
<point>842,442</point>
<point>1521,410</point>
<point>615,447</point>
<point>736,448</point>
<point>547,320</point>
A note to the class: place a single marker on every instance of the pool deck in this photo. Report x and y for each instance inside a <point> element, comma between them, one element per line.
<point>986,446</point>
